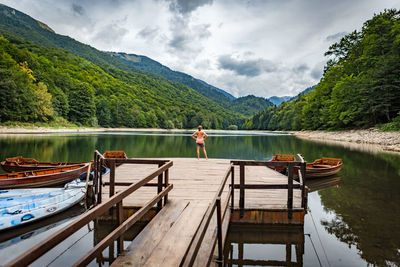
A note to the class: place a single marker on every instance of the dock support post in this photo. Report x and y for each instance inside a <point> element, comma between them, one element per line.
<point>303,187</point>
<point>219,229</point>
<point>232,187</point>
<point>120,220</point>
<point>241,199</point>
<point>290,192</point>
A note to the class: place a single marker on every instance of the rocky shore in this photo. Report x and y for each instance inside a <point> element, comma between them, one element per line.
<point>386,141</point>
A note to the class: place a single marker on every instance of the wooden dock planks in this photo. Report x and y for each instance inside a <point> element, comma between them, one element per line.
<point>166,238</point>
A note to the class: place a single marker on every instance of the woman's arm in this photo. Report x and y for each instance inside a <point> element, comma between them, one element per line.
<point>205,136</point>
<point>194,135</point>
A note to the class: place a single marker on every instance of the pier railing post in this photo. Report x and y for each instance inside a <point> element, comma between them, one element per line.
<point>166,183</point>
<point>159,187</point>
<point>112,177</point>
<point>232,187</point>
<point>241,199</point>
<point>290,191</point>
<point>96,174</point>
<point>219,229</point>
<point>100,182</point>
<point>303,186</point>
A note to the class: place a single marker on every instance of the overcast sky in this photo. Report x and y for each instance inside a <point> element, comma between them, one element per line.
<point>259,47</point>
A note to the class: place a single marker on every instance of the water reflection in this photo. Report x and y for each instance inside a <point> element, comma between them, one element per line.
<point>356,213</point>
<point>281,246</point>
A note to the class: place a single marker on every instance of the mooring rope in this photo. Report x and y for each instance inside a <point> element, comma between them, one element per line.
<point>316,253</point>
<point>319,238</point>
<point>79,239</point>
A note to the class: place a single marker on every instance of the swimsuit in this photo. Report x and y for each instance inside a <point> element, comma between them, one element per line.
<point>200,140</point>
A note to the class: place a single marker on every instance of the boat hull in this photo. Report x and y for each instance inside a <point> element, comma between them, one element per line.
<point>19,164</point>
<point>21,206</point>
<point>42,178</point>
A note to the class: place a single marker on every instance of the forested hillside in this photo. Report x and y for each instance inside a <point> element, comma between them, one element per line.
<point>41,84</point>
<point>247,105</point>
<point>360,87</point>
<point>17,24</point>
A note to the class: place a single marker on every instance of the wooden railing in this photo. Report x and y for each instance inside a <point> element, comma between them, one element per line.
<point>197,240</point>
<point>115,200</point>
<point>290,165</point>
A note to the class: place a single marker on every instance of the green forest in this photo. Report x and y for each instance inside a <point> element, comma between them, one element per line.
<point>42,84</point>
<point>360,87</point>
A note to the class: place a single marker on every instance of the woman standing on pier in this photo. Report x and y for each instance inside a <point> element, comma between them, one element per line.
<point>201,136</point>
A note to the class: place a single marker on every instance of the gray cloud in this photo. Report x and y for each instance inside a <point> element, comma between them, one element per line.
<point>336,37</point>
<point>301,68</point>
<point>187,6</point>
<point>249,68</point>
<point>148,32</point>
<point>316,72</point>
<point>78,9</point>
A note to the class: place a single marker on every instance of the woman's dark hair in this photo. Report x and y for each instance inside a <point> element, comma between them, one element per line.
<point>199,127</point>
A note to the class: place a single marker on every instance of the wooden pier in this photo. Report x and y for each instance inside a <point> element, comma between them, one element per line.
<point>195,199</point>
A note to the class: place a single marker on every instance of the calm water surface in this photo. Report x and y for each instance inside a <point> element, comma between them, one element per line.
<point>355,215</point>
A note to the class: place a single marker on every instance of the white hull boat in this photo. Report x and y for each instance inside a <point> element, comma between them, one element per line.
<point>20,206</point>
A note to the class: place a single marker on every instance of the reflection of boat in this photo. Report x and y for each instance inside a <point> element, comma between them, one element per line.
<point>42,178</point>
<point>19,206</point>
<point>114,155</point>
<point>319,168</point>
<point>20,163</point>
<point>319,184</point>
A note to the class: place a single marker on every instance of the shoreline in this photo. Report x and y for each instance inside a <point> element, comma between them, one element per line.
<point>371,139</point>
<point>375,139</point>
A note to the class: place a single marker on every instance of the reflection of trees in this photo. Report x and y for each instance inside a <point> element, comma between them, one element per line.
<point>367,208</point>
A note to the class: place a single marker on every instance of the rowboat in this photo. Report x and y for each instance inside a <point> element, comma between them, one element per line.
<point>323,167</point>
<point>41,178</point>
<point>114,155</point>
<point>18,164</point>
<point>20,206</point>
<point>319,168</point>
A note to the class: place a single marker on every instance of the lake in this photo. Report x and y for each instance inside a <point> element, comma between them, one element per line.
<point>355,215</point>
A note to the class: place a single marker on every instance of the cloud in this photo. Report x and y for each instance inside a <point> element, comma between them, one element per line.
<point>110,34</point>
<point>187,6</point>
<point>148,32</point>
<point>249,67</point>
<point>78,9</point>
<point>335,37</point>
<point>301,68</point>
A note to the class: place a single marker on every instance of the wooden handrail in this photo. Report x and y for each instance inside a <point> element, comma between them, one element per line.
<point>41,248</point>
<point>85,260</point>
<point>193,249</point>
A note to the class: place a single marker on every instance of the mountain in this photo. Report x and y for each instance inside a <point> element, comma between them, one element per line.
<point>149,65</point>
<point>17,24</point>
<point>277,100</point>
<point>251,104</point>
<point>48,77</point>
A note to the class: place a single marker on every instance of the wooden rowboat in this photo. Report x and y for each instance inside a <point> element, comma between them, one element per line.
<point>319,168</point>
<point>323,167</point>
<point>19,164</point>
<point>114,155</point>
<point>40,178</point>
<point>20,206</point>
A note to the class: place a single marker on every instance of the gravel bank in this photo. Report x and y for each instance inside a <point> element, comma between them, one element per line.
<point>387,141</point>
